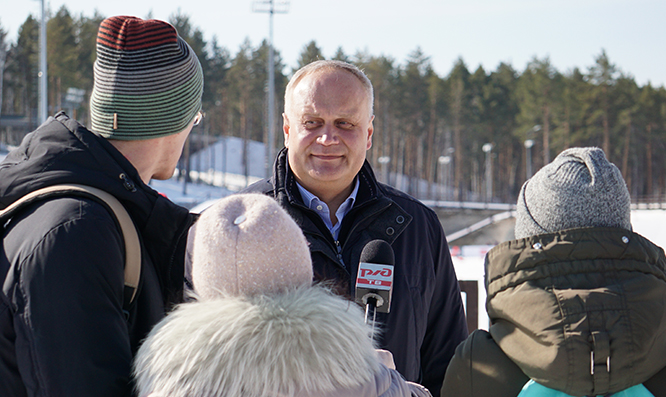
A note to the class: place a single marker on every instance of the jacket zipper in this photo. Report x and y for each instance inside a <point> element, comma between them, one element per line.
<point>339,251</point>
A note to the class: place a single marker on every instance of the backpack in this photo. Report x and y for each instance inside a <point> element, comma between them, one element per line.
<point>533,388</point>
<point>127,228</point>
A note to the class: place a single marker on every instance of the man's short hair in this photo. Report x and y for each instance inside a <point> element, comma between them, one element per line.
<point>320,65</point>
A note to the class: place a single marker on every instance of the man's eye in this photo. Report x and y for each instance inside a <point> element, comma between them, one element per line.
<point>311,124</point>
<point>345,124</point>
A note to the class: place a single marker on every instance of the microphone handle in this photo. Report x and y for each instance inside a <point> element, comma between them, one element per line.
<point>371,313</point>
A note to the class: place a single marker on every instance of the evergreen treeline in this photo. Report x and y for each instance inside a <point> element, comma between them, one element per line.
<point>427,126</point>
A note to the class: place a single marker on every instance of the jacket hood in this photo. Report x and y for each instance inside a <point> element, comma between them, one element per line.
<point>63,151</point>
<point>306,342</point>
<point>582,311</point>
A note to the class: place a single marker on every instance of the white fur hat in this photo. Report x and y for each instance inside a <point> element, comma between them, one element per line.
<point>246,244</point>
<point>303,343</point>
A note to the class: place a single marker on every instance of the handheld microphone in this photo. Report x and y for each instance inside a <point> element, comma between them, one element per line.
<point>374,280</point>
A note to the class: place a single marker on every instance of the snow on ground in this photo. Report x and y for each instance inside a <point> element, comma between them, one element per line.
<point>189,195</point>
<point>650,224</point>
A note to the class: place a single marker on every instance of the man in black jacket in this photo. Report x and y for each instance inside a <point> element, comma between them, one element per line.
<point>322,179</point>
<point>64,328</point>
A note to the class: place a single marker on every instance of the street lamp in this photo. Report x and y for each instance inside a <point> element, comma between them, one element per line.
<point>487,148</point>
<point>43,78</point>
<point>528,158</point>
<point>443,178</point>
<point>271,8</point>
<point>384,160</point>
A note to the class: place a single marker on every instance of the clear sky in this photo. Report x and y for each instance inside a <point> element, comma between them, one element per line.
<point>483,32</point>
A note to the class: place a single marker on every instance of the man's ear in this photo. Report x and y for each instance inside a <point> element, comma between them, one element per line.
<point>371,129</point>
<point>285,130</point>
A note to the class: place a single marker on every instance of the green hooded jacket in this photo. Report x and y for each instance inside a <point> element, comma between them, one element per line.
<point>582,311</point>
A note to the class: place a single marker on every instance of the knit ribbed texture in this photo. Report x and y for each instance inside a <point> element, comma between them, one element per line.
<point>580,188</point>
<point>148,81</point>
<point>246,244</point>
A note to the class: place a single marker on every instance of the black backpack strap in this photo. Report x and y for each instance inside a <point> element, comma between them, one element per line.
<point>128,230</point>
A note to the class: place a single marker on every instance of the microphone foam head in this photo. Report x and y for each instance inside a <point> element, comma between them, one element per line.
<point>378,251</point>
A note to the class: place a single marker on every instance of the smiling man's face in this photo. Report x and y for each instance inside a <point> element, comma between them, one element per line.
<point>327,129</point>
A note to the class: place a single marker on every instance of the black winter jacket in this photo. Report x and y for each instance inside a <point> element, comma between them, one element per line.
<point>63,331</point>
<point>427,320</point>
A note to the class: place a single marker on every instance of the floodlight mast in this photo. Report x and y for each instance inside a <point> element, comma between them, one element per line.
<point>43,94</point>
<point>271,7</point>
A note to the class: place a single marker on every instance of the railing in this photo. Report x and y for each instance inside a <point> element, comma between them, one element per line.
<point>469,205</point>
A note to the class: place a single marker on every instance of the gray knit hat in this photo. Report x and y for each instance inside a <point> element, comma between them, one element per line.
<point>245,245</point>
<point>147,80</point>
<point>580,188</point>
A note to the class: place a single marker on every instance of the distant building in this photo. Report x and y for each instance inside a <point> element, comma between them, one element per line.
<point>228,163</point>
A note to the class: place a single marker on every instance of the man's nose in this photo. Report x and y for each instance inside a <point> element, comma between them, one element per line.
<point>328,136</point>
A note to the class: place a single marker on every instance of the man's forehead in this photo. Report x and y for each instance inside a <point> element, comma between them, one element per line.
<point>328,88</point>
<point>315,111</point>
<point>329,76</point>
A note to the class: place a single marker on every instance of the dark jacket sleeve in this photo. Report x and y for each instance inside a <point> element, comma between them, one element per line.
<point>71,334</point>
<point>657,383</point>
<point>480,368</point>
<point>446,324</point>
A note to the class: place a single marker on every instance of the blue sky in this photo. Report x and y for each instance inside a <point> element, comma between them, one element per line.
<point>483,32</point>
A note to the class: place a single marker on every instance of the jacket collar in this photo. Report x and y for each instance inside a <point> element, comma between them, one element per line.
<point>287,189</point>
<point>593,249</point>
<point>63,151</point>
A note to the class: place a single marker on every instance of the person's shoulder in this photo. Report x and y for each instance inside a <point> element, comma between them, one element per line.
<point>56,225</point>
<point>410,204</point>
<point>77,214</point>
<point>479,361</point>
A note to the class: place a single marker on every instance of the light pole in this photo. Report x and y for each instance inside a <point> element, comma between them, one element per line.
<point>443,178</point>
<point>528,158</point>
<point>43,94</point>
<point>384,160</point>
<point>269,6</point>
<point>487,149</point>
<point>3,58</point>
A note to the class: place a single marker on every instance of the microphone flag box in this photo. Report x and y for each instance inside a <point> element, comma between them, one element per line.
<point>375,281</point>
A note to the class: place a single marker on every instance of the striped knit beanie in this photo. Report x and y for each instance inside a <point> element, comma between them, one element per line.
<point>147,80</point>
<point>580,188</point>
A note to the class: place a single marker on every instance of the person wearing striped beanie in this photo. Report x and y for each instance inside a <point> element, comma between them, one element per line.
<point>68,325</point>
<point>147,80</point>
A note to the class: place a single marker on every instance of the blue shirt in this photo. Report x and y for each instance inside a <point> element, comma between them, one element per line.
<point>314,203</point>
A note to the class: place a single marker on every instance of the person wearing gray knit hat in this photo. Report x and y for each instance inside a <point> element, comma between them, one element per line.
<point>577,302</point>
<point>257,326</point>
<point>580,188</point>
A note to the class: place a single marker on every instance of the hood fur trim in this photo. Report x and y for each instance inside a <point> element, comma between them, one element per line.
<point>304,340</point>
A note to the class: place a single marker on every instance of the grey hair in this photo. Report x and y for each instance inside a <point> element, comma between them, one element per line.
<point>317,66</point>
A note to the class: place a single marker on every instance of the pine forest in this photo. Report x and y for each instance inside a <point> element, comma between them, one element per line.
<point>478,132</point>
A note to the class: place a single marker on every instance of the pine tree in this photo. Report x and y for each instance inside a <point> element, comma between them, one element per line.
<point>310,53</point>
